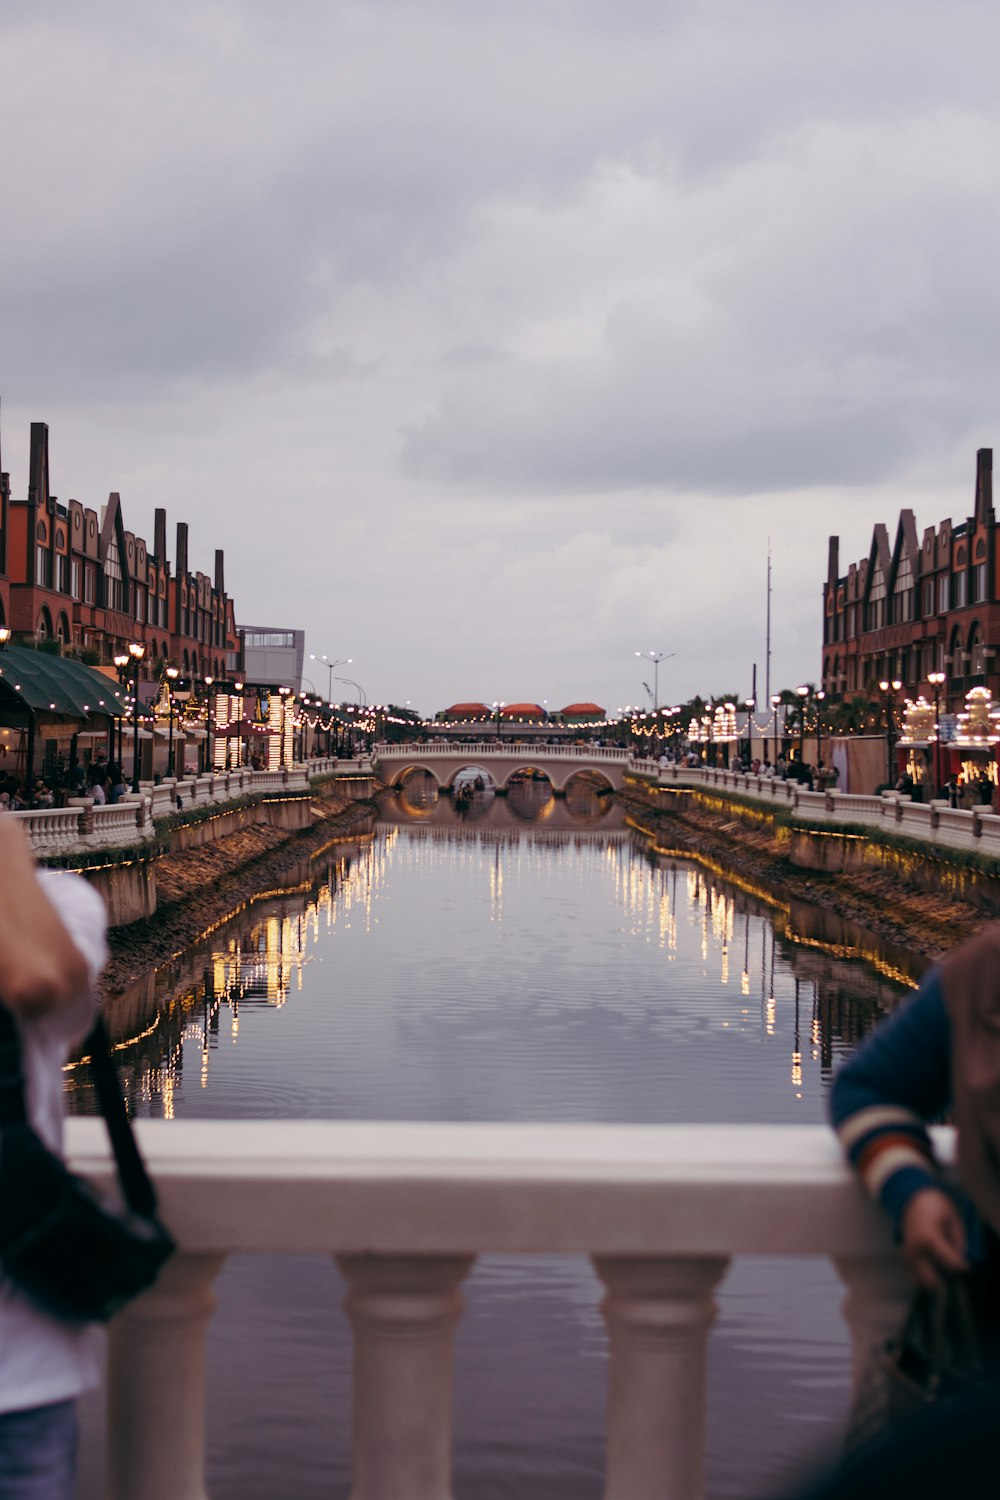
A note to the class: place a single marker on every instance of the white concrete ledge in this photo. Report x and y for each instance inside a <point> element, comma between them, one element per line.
<point>288,1185</point>
<point>406,1208</point>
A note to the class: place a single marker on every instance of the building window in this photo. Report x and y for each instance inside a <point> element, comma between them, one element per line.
<point>43,568</point>
<point>876,601</point>
<point>979,583</point>
<point>977,656</point>
<point>902,593</point>
<point>927,605</point>
<point>75,579</point>
<point>114,587</point>
<point>88,586</point>
<point>943,594</point>
<point>960,590</point>
<point>62,573</point>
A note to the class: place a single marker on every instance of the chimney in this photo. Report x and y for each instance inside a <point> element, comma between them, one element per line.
<point>984,485</point>
<point>182,549</point>
<point>38,464</point>
<point>160,536</point>
<point>220,573</point>
<point>833,560</point>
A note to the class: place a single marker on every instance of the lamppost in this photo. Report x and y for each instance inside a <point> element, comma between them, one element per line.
<point>750,704</point>
<point>803,690</point>
<point>656,657</point>
<point>936,679</point>
<point>344,661</point>
<point>362,695</point>
<point>820,699</point>
<point>121,662</point>
<point>498,709</point>
<point>209,726</point>
<point>775,700</point>
<point>171,674</point>
<point>888,689</point>
<point>136,651</point>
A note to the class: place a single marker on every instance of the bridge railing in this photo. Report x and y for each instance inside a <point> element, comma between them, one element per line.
<point>491,747</point>
<point>931,822</point>
<point>406,1208</point>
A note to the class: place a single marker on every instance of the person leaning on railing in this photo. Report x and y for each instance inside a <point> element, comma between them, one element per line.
<point>52,948</point>
<point>938,1051</point>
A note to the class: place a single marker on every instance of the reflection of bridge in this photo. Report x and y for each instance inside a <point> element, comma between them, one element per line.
<point>560,763</point>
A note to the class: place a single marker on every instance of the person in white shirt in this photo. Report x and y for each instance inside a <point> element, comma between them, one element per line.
<point>52,950</point>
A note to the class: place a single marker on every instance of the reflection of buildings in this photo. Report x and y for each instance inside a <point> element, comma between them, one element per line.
<point>730,960</point>
<point>830,977</point>
<point>253,959</point>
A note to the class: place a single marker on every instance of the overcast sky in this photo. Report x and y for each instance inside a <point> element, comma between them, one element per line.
<point>492,341</point>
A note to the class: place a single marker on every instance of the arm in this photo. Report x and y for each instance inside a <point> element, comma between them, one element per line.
<point>42,971</point>
<point>886,1092</point>
<point>880,1103</point>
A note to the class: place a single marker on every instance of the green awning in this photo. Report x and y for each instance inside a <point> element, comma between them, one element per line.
<point>56,684</point>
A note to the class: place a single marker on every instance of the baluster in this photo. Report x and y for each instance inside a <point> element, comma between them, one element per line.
<point>156,1386</point>
<point>879,1291</point>
<point>403,1310</point>
<point>658,1313</point>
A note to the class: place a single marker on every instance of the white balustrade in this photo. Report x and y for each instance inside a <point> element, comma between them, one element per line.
<point>406,1207</point>
<point>80,826</point>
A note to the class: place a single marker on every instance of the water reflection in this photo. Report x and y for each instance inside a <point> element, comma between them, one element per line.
<point>509,969</point>
<point>584,961</point>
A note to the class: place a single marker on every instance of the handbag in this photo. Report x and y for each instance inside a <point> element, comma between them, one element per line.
<point>935,1359</point>
<point>75,1255</point>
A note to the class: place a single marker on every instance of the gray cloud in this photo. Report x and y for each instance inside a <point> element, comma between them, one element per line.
<point>491,305</point>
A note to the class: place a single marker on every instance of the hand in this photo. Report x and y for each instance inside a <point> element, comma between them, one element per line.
<point>41,969</point>
<point>933,1238</point>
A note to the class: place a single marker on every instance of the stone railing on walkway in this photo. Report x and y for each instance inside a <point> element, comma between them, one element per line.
<point>405,1208</point>
<point>506,745</point>
<point>935,823</point>
<point>82,827</point>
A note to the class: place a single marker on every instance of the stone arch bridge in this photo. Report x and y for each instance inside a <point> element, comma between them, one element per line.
<point>560,763</point>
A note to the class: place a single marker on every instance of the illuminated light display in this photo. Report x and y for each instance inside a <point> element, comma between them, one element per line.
<point>979,725</point>
<point>919,723</point>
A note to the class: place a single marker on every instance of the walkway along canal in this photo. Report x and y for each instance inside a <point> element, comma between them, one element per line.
<point>609,1070</point>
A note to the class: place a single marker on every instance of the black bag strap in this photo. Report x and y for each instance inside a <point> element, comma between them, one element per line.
<point>137,1189</point>
<point>13,1110</point>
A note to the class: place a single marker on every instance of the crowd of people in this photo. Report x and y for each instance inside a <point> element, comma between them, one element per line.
<point>102,780</point>
<point>815,778</point>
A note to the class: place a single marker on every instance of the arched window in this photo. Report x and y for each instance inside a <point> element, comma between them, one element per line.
<point>956,652</point>
<point>187,663</point>
<point>44,627</point>
<point>977,651</point>
<point>62,629</point>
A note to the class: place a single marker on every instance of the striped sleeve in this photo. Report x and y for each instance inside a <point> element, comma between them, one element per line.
<point>884,1095</point>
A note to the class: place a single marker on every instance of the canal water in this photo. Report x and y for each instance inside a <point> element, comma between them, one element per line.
<point>523,958</point>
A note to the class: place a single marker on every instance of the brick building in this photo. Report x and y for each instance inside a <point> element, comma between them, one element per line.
<point>70,574</point>
<point>918,604</point>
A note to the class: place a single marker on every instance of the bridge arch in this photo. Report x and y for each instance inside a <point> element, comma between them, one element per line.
<point>445,762</point>
<point>397,776</point>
